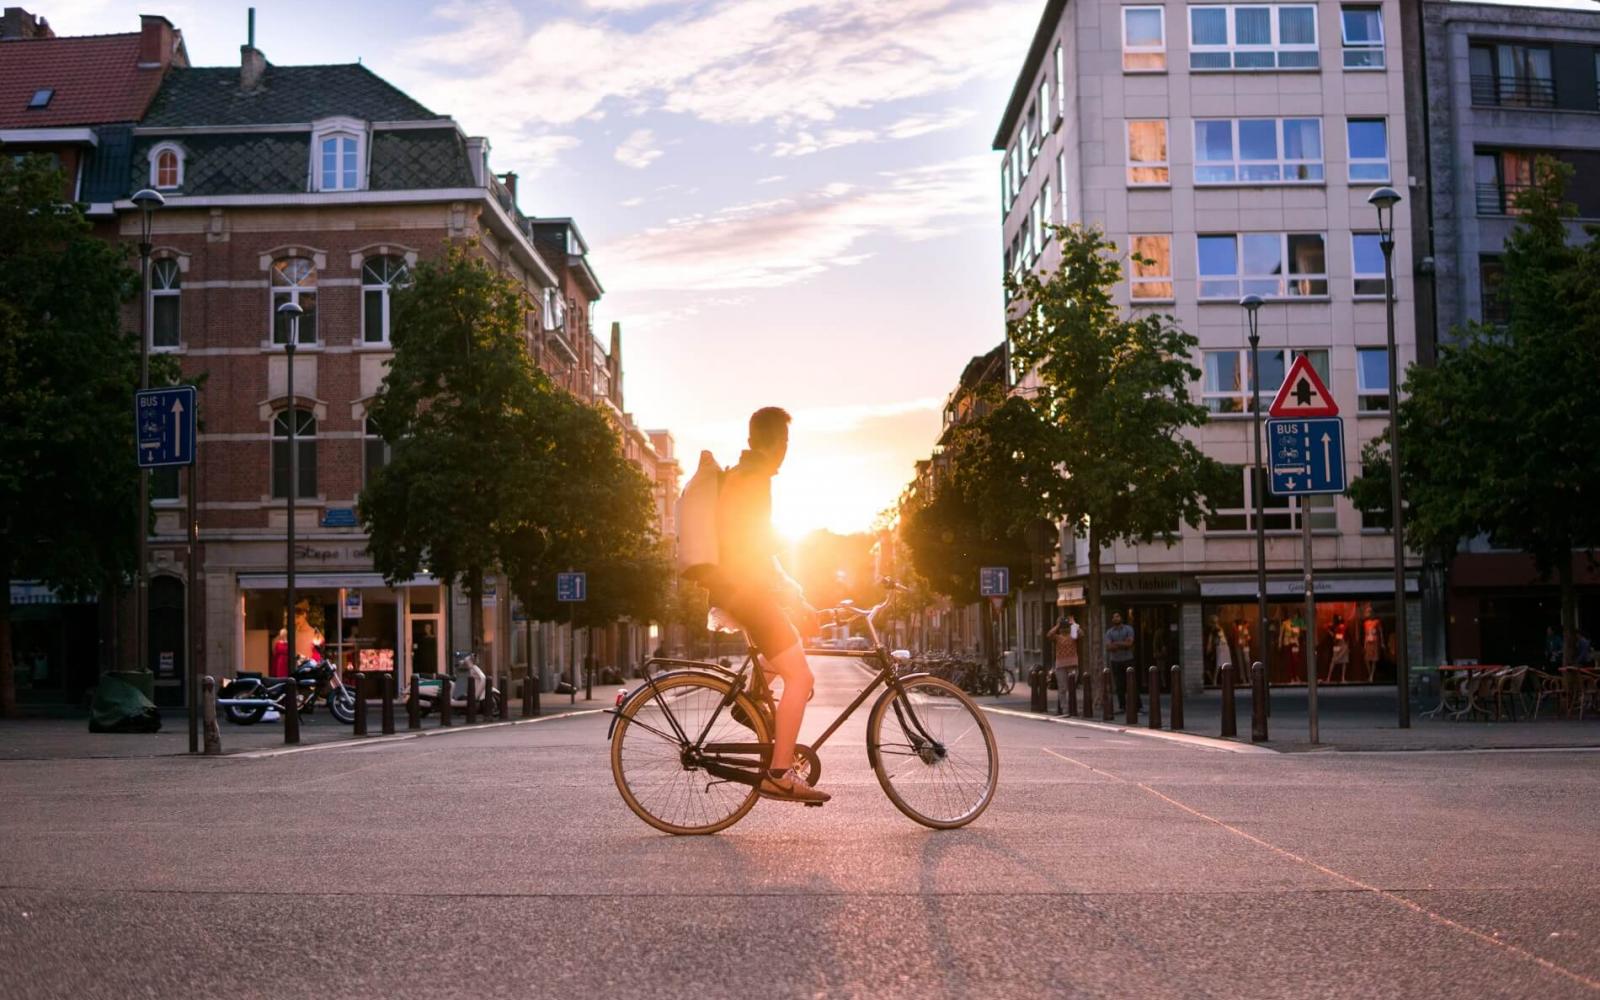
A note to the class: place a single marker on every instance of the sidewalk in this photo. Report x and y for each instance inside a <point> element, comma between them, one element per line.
<point>1355,719</point>
<point>70,739</point>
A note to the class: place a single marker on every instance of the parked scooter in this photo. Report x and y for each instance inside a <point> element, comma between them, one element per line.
<point>466,665</point>
<point>248,697</point>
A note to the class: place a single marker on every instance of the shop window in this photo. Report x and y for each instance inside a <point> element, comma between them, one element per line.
<point>1354,637</point>
<point>380,276</point>
<point>1368,140</point>
<point>1372,379</point>
<point>1273,265</point>
<point>375,452</point>
<point>1152,269</point>
<point>1144,39</point>
<point>294,279</point>
<point>1258,151</point>
<point>165,282</point>
<point>1361,30</point>
<point>1147,153</point>
<point>305,430</point>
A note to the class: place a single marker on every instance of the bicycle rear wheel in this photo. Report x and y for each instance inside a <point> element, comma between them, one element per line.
<point>648,755</point>
<point>933,752</point>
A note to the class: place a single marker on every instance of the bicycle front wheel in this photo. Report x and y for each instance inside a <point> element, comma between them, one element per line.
<point>649,754</point>
<point>933,752</point>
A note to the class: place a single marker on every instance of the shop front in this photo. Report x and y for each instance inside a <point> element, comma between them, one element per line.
<point>353,619</point>
<point>55,646</point>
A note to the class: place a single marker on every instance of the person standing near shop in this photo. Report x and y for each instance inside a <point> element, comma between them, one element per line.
<point>1119,656</point>
<point>1065,633</point>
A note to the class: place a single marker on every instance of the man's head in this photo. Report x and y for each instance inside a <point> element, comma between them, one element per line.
<point>769,432</point>
<point>1116,618</point>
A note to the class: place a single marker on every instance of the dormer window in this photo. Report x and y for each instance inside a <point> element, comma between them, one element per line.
<point>166,167</point>
<point>339,164</point>
<point>338,155</point>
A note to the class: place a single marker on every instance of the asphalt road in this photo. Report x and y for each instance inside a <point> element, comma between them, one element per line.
<point>502,862</point>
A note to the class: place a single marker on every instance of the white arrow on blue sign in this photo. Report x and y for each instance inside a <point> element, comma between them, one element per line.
<point>1306,457</point>
<point>571,587</point>
<point>164,426</point>
<point>994,581</point>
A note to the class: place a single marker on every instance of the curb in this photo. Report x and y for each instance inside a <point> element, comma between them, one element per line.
<point>1182,739</point>
<point>401,737</point>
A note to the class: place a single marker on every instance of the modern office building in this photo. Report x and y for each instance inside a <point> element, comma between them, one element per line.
<point>1234,146</point>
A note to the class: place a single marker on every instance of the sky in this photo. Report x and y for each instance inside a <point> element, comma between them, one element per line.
<point>789,202</point>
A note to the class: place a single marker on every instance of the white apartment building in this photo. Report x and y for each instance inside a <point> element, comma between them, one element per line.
<point>1235,145</point>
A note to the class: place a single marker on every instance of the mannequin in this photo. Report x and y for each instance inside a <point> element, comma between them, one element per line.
<point>1289,636</point>
<point>1371,640</point>
<point>1340,660</point>
<point>1219,654</point>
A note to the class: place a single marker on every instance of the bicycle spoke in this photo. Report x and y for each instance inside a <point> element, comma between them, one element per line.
<point>935,779</point>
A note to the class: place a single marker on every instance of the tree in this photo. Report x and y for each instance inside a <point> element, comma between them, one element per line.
<point>1113,393</point>
<point>68,478</point>
<point>1502,428</point>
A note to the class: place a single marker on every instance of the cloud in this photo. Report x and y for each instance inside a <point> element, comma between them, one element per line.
<point>633,202</point>
<point>638,150</point>
<point>780,241</point>
<point>806,142</point>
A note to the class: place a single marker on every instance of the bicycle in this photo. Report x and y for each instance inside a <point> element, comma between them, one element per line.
<point>689,746</point>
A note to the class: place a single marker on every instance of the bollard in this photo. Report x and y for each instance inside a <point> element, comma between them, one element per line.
<point>291,710</point>
<point>1130,695</point>
<point>1155,696</point>
<point>533,682</point>
<point>1258,703</point>
<point>1108,701</point>
<point>527,693</point>
<point>361,704</point>
<point>388,703</point>
<point>208,706</point>
<point>1230,725</point>
<point>414,704</point>
<point>1072,692</point>
<point>1177,697</point>
<point>505,699</point>
<point>472,699</point>
<point>447,693</point>
<point>1088,693</point>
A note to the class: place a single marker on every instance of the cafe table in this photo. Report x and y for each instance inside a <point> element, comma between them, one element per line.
<point>1455,679</point>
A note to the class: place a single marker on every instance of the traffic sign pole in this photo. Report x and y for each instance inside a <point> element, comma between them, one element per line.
<point>1310,640</point>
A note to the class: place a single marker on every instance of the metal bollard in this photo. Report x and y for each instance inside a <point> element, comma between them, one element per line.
<point>1177,697</point>
<point>1130,695</point>
<point>291,710</point>
<point>1154,674</point>
<point>1072,693</point>
<point>533,682</point>
<point>505,699</point>
<point>472,699</point>
<point>208,707</point>
<point>1230,726</point>
<point>447,693</point>
<point>388,703</point>
<point>414,704</point>
<point>1258,703</point>
<point>527,693</point>
<point>1108,701</point>
<point>1087,689</point>
<point>361,704</point>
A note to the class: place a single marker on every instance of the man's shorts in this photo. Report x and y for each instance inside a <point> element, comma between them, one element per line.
<point>757,611</point>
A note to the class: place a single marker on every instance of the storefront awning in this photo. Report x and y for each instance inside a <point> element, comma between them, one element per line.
<point>326,581</point>
<point>1349,586</point>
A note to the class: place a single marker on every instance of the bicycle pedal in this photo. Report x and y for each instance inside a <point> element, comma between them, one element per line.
<point>814,805</point>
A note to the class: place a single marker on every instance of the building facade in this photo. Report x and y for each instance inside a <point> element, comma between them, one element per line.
<point>1233,145</point>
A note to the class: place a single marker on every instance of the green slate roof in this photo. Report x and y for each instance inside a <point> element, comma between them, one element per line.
<point>210,95</point>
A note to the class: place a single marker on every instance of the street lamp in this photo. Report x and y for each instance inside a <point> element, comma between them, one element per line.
<point>146,201</point>
<point>1251,305</point>
<point>1384,200</point>
<point>291,312</point>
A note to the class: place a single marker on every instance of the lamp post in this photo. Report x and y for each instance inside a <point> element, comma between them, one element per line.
<point>292,312</point>
<point>1251,305</point>
<point>146,201</point>
<point>1384,200</point>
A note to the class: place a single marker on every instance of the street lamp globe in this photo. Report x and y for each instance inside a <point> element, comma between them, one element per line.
<point>1384,200</point>
<point>146,201</point>
<point>1251,303</point>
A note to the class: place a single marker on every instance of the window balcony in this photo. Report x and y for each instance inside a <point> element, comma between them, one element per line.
<point>1511,92</point>
<point>1499,199</point>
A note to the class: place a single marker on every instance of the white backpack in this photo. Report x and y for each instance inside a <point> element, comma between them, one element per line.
<point>697,521</point>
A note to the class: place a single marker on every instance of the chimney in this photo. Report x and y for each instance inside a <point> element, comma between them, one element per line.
<point>510,178</point>
<point>17,24</point>
<point>252,63</point>
<point>155,41</point>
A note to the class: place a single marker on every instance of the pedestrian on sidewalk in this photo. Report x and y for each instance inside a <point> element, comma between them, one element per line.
<point>1066,634</point>
<point>1119,655</point>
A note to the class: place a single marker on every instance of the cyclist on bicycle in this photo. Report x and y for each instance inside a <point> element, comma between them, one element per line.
<point>751,586</point>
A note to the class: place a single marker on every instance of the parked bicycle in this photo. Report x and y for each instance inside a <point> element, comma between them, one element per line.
<point>684,760</point>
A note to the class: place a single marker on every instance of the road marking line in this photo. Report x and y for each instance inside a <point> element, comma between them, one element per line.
<point>354,743</point>
<point>1393,897</point>
<point>1192,740</point>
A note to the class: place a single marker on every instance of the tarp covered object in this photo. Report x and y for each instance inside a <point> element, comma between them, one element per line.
<point>119,707</point>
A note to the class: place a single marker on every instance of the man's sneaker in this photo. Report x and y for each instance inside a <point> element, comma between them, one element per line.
<point>791,788</point>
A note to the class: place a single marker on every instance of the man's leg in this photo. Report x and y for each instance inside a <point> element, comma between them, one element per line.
<point>791,665</point>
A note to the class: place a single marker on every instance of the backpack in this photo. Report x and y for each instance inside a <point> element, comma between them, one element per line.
<point>697,521</point>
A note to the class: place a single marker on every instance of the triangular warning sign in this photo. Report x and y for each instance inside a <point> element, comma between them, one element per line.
<point>1303,393</point>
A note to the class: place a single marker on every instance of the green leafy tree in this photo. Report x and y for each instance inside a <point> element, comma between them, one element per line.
<point>1113,393</point>
<point>1502,428</point>
<point>68,478</point>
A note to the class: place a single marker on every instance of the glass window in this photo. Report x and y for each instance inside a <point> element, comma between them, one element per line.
<point>1061,87</point>
<point>1218,258</point>
<point>1491,289</point>
<point>1261,263</point>
<point>1235,507</point>
<point>375,452</point>
<point>1005,187</point>
<point>380,276</point>
<point>1045,117</point>
<point>305,443</point>
<point>1369,149</point>
<point>169,169</point>
<point>1152,268</point>
<point>1230,505</point>
<point>1147,153</point>
<point>1046,214</point>
<point>1372,379</point>
<point>1062,184</point>
<point>1362,32</point>
<point>165,279</point>
<point>1144,39</point>
<point>340,164</point>
<point>1271,265</point>
<point>294,279</point>
<point>1308,264</point>
<point>1512,75</point>
<point>1366,254</point>
<point>1258,150</point>
<point>1253,37</point>
<point>1226,390</point>
<point>1029,141</point>
<point>164,483</point>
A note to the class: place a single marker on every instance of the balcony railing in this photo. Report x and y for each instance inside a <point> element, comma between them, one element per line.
<point>1513,92</point>
<point>1499,199</point>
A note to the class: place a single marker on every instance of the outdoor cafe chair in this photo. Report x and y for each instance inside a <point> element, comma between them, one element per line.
<point>1547,686</point>
<point>1506,688</point>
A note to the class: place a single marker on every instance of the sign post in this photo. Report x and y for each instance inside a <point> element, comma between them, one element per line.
<point>164,428</point>
<point>1305,439</point>
<point>570,589</point>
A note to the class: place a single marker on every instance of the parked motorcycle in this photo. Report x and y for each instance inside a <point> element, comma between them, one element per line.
<point>466,665</point>
<point>248,697</point>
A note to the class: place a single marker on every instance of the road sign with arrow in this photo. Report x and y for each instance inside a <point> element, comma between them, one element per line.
<point>1303,393</point>
<point>1306,456</point>
<point>164,425</point>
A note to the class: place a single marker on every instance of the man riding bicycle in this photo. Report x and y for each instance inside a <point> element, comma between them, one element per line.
<point>751,586</point>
